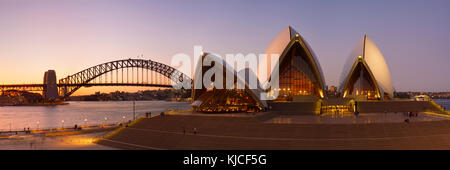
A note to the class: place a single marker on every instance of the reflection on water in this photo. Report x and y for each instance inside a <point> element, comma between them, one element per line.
<point>76,112</point>
<point>350,118</point>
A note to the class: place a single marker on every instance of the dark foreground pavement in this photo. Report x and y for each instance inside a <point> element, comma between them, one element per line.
<point>250,133</point>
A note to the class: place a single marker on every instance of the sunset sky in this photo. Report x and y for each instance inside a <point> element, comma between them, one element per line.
<point>71,35</point>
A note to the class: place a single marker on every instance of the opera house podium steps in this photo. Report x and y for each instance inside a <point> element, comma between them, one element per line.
<point>295,108</point>
<point>397,106</point>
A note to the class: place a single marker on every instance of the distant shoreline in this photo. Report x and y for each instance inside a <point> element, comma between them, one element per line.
<point>36,104</point>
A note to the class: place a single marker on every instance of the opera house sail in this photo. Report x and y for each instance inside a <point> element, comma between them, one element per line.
<point>216,100</point>
<point>366,75</point>
<point>300,75</point>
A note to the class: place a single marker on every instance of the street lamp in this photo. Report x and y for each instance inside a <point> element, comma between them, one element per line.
<point>105,120</point>
<point>37,125</point>
<point>123,117</point>
<point>85,122</point>
<point>134,110</point>
<point>62,121</point>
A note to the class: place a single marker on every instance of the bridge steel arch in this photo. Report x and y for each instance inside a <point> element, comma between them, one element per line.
<point>72,83</point>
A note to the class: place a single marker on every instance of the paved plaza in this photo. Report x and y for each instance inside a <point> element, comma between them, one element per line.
<point>259,131</point>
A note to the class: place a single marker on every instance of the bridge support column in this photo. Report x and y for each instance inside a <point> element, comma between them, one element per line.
<point>50,92</point>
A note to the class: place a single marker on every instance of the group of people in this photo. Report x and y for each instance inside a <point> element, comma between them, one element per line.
<point>195,131</point>
<point>26,130</point>
<point>411,114</point>
<point>148,114</point>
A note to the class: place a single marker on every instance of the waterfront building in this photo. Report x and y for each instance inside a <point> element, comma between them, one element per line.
<point>215,100</point>
<point>300,75</point>
<point>366,75</point>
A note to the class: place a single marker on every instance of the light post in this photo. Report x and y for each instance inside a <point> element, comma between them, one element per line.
<point>105,121</point>
<point>62,121</point>
<point>37,125</point>
<point>123,117</point>
<point>134,110</point>
<point>85,122</point>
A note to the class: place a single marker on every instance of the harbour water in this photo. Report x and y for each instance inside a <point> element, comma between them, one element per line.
<point>444,103</point>
<point>79,113</point>
<point>90,113</point>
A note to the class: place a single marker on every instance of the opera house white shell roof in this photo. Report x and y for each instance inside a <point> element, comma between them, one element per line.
<point>366,51</point>
<point>282,43</point>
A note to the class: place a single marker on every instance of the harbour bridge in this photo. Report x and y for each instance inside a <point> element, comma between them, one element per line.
<point>127,72</point>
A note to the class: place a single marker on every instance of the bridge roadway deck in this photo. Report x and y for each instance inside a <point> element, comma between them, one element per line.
<point>224,132</point>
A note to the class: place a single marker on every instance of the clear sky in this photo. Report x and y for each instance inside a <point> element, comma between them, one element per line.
<point>71,35</point>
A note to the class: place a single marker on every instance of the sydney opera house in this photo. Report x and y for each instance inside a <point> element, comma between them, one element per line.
<point>365,76</point>
<point>299,113</point>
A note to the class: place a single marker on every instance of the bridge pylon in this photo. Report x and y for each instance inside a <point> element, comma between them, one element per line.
<point>50,92</point>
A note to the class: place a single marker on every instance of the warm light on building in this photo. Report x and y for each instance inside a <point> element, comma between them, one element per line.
<point>366,77</point>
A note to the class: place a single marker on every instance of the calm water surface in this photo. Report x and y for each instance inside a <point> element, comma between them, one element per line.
<point>443,102</point>
<point>95,112</point>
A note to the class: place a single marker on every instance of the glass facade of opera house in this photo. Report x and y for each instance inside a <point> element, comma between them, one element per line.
<point>298,77</point>
<point>365,76</point>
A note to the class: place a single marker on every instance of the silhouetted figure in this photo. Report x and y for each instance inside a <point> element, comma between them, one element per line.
<point>76,127</point>
<point>184,131</point>
<point>195,131</point>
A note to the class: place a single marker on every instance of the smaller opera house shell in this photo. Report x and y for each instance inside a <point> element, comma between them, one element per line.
<point>214,100</point>
<point>366,74</point>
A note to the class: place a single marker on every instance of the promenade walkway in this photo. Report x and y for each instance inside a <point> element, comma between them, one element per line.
<point>248,132</point>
